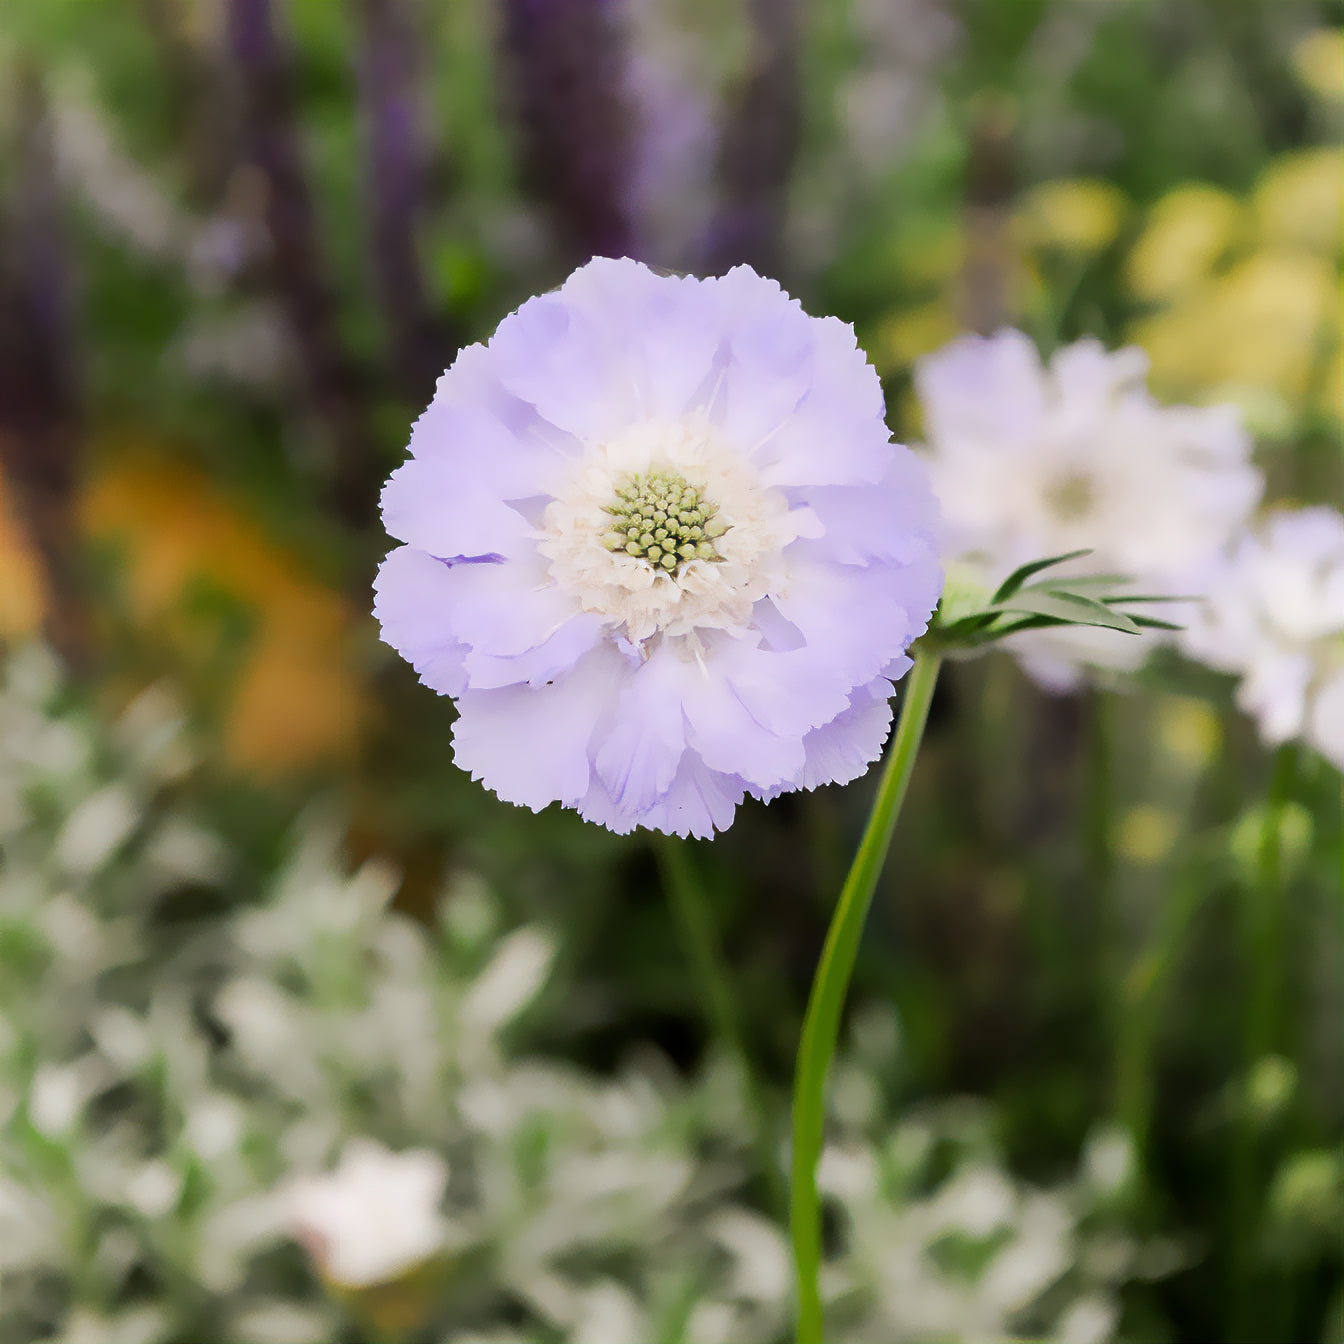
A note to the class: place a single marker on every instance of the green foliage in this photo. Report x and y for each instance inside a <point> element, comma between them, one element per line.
<point>1060,954</point>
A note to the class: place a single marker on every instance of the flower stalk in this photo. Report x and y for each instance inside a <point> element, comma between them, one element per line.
<point>821,1026</point>
<point>686,895</point>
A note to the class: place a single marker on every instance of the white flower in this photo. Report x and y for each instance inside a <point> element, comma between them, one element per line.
<point>1275,616</point>
<point>1030,461</point>
<point>375,1217</point>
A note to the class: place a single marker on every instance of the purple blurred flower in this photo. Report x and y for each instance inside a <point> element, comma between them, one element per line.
<point>565,62</point>
<point>660,549</point>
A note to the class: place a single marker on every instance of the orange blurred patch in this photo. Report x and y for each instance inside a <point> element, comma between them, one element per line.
<point>199,577</point>
<point>21,595</point>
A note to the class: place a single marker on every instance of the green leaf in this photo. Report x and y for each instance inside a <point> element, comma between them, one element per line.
<point>1096,580</point>
<point>1142,597</point>
<point>1067,608</point>
<point>1022,573</point>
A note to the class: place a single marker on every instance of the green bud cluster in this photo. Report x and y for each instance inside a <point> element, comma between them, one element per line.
<point>664,521</point>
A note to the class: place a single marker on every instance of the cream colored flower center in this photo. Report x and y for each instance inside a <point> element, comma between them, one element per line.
<point>662,519</point>
<point>667,529</point>
<point>1071,496</point>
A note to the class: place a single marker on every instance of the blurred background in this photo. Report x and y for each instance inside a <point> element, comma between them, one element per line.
<point>1091,1084</point>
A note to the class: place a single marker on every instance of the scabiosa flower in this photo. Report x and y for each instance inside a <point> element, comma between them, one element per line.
<point>661,550</point>
<point>1030,461</point>
<point>1275,616</point>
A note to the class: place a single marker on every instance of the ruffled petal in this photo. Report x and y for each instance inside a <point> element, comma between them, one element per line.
<point>657,322</point>
<point>642,751</point>
<point>544,663</point>
<point>843,749</point>
<point>559,361</point>
<point>532,744</point>
<point>724,732</point>
<point>508,608</point>
<point>894,519</point>
<point>788,692</point>
<point>843,409</point>
<point>852,741</point>
<point>698,802</point>
<point>426,503</point>
<point>412,601</point>
<point>861,617</point>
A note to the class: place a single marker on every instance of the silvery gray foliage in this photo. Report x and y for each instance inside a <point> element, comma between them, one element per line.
<point>174,1060</point>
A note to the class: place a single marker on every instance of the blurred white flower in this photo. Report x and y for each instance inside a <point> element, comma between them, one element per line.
<point>139,1325</point>
<point>1030,461</point>
<point>58,1094</point>
<point>977,1202</point>
<point>760,1255</point>
<point>1090,1320</point>
<point>96,829</point>
<point>214,1126</point>
<point>1275,616</point>
<point>375,1217</point>
<point>1108,1159</point>
<point>509,983</point>
<point>154,1188</point>
<point>280,1322</point>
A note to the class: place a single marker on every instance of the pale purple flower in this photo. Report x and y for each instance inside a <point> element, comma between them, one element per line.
<point>1031,460</point>
<point>653,680</point>
<point>1275,617</point>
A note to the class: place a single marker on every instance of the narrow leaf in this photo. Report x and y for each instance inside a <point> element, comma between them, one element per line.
<point>1022,573</point>
<point>1068,608</point>
<point>1144,597</point>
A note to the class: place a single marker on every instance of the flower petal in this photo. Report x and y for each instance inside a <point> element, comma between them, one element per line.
<point>982,388</point>
<point>542,664</point>
<point>892,520</point>
<point>643,749</point>
<point>426,504</point>
<point>843,749</point>
<point>412,603</point>
<point>861,617</point>
<point>532,744</point>
<point>508,608</point>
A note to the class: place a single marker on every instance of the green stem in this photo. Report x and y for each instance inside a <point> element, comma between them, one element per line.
<point>700,935</point>
<point>1142,995</point>
<point>1097,801</point>
<point>1265,913</point>
<point>821,1026</point>
<point>1264,935</point>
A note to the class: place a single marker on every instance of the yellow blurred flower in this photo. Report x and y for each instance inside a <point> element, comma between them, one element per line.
<point>929,254</point>
<point>1145,834</point>
<point>902,337</point>
<point>1263,325</point>
<point>1319,61</point>
<point>1189,732</point>
<point>1300,201</point>
<point>1187,233</point>
<point>21,595</point>
<point>1076,214</point>
<point>1331,401</point>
